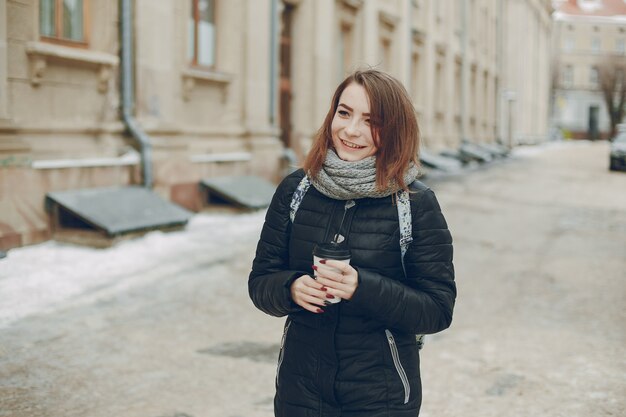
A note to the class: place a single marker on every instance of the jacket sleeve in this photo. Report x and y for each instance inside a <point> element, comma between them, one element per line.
<point>423,302</point>
<point>270,279</point>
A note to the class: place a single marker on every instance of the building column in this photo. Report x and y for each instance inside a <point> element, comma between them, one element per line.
<point>263,137</point>
<point>324,75</point>
<point>371,41</point>
<point>4,100</point>
<point>405,27</point>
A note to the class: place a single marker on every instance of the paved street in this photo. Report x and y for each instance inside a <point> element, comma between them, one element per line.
<point>540,255</point>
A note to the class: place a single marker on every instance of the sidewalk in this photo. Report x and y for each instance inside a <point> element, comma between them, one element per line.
<point>162,326</point>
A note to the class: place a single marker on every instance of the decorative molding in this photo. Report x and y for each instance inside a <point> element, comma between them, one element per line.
<point>388,19</point>
<point>193,76</point>
<point>221,157</point>
<point>441,48</point>
<point>418,36</point>
<point>128,159</point>
<point>353,4</point>
<point>41,54</point>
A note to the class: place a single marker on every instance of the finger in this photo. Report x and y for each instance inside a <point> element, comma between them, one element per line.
<point>311,307</point>
<point>312,299</point>
<point>329,273</point>
<point>312,282</point>
<point>336,280</point>
<point>314,292</point>
<point>343,267</point>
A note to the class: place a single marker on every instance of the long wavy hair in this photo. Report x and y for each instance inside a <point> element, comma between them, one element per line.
<point>393,123</point>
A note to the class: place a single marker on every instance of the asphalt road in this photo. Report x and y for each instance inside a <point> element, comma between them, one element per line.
<point>540,255</point>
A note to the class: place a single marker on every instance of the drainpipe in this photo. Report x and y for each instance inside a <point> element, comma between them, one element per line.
<point>464,70</point>
<point>143,140</point>
<point>274,39</point>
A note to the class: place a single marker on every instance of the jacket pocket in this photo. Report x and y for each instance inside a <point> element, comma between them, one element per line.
<point>281,353</point>
<point>399,369</point>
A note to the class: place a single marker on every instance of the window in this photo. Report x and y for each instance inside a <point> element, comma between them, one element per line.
<point>619,46</point>
<point>595,45</point>
<point>201,49</point>
<point>568,76</point>
<point>568,44</point>
<point>63,20</point>
<point>593,76</point>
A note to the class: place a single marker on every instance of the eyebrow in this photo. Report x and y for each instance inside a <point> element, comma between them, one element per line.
<point>350,108</point>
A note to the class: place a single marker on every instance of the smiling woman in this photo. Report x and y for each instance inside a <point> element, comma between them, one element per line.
<point>352,137</point>
<point>369,106</point>
<point>349,345</point>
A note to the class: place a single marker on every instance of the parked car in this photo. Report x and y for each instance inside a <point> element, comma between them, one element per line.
<point>617,156</point>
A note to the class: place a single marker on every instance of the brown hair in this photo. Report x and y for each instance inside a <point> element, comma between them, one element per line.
<point>393,125</point>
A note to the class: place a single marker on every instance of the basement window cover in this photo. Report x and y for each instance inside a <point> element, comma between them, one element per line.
<point>115,210</point>
<point>242,191</point>
<point>439,162</point>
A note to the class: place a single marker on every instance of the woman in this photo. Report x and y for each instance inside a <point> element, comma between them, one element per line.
<point>358,357</point>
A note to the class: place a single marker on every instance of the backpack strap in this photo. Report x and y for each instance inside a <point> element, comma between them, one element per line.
<point>406,237</point>
<point>298,195</point>
<point>406,224</point>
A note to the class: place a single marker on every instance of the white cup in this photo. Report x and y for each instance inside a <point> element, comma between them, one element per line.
<point>330,251</point>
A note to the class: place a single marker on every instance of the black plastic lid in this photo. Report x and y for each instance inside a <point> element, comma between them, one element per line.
<point>331,251</point>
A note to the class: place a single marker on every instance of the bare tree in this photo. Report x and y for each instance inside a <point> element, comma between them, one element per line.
<point>611,73</point>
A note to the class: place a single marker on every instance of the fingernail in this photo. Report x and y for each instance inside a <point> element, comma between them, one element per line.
<point>322,261</point>
<point>319,310</point>
<point>330,296</point>
<point>324,289</point>
<point>314,268</point>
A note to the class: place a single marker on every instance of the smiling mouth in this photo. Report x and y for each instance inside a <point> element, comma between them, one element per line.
<point>351,145</point>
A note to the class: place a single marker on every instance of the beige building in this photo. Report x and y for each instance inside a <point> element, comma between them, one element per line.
<point>589,38</point>
<point>226,87</point>
<point>525,68</point>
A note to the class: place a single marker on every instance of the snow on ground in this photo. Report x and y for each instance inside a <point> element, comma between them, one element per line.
<point>38,278</point>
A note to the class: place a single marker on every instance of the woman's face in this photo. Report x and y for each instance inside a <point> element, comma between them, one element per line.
<point>350,129</point>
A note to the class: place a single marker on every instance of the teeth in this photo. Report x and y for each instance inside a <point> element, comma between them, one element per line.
<point>351,145</point>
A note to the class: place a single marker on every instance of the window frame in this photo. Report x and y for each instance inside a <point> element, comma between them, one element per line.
<point>594,77</point>
<point>193,62</point>
<point>58,26</point>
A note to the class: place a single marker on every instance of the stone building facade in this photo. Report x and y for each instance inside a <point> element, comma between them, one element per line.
<point>589,37</point>
<point>241,86</point>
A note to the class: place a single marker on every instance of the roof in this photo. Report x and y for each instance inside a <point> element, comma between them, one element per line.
<point>591,8</point>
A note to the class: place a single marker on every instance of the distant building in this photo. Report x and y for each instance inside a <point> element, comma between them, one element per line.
<point>227,87</point>
<point>525,68</point>
<point>588,35</point>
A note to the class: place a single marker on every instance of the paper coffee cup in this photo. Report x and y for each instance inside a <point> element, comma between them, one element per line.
<point>331,251</point>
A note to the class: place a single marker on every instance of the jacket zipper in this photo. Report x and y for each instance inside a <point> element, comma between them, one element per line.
<point>281,354</point>
<point>347,206</point>
<point>396,361</point>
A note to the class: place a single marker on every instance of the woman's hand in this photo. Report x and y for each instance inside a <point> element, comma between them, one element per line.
<point>338,277</point>
<point>308,294</point>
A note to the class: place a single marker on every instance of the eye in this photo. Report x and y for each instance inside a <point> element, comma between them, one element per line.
<point>367,122</point>
<point>343,113</point>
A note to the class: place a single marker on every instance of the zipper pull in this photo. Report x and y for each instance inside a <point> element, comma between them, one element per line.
<point>338,238</point>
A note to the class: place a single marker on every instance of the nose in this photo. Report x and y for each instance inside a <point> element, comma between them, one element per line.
<point>352,128</point>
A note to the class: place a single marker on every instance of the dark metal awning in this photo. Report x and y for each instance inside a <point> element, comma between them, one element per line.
<point>243,191</point>
<point>115,210</point>
<point>439,162</point>
<point>475,152</point>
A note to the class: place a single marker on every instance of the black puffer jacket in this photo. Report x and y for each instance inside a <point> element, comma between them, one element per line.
<point>359,357</point>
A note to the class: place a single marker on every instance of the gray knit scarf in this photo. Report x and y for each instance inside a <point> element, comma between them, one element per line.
<point>344,180</point>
